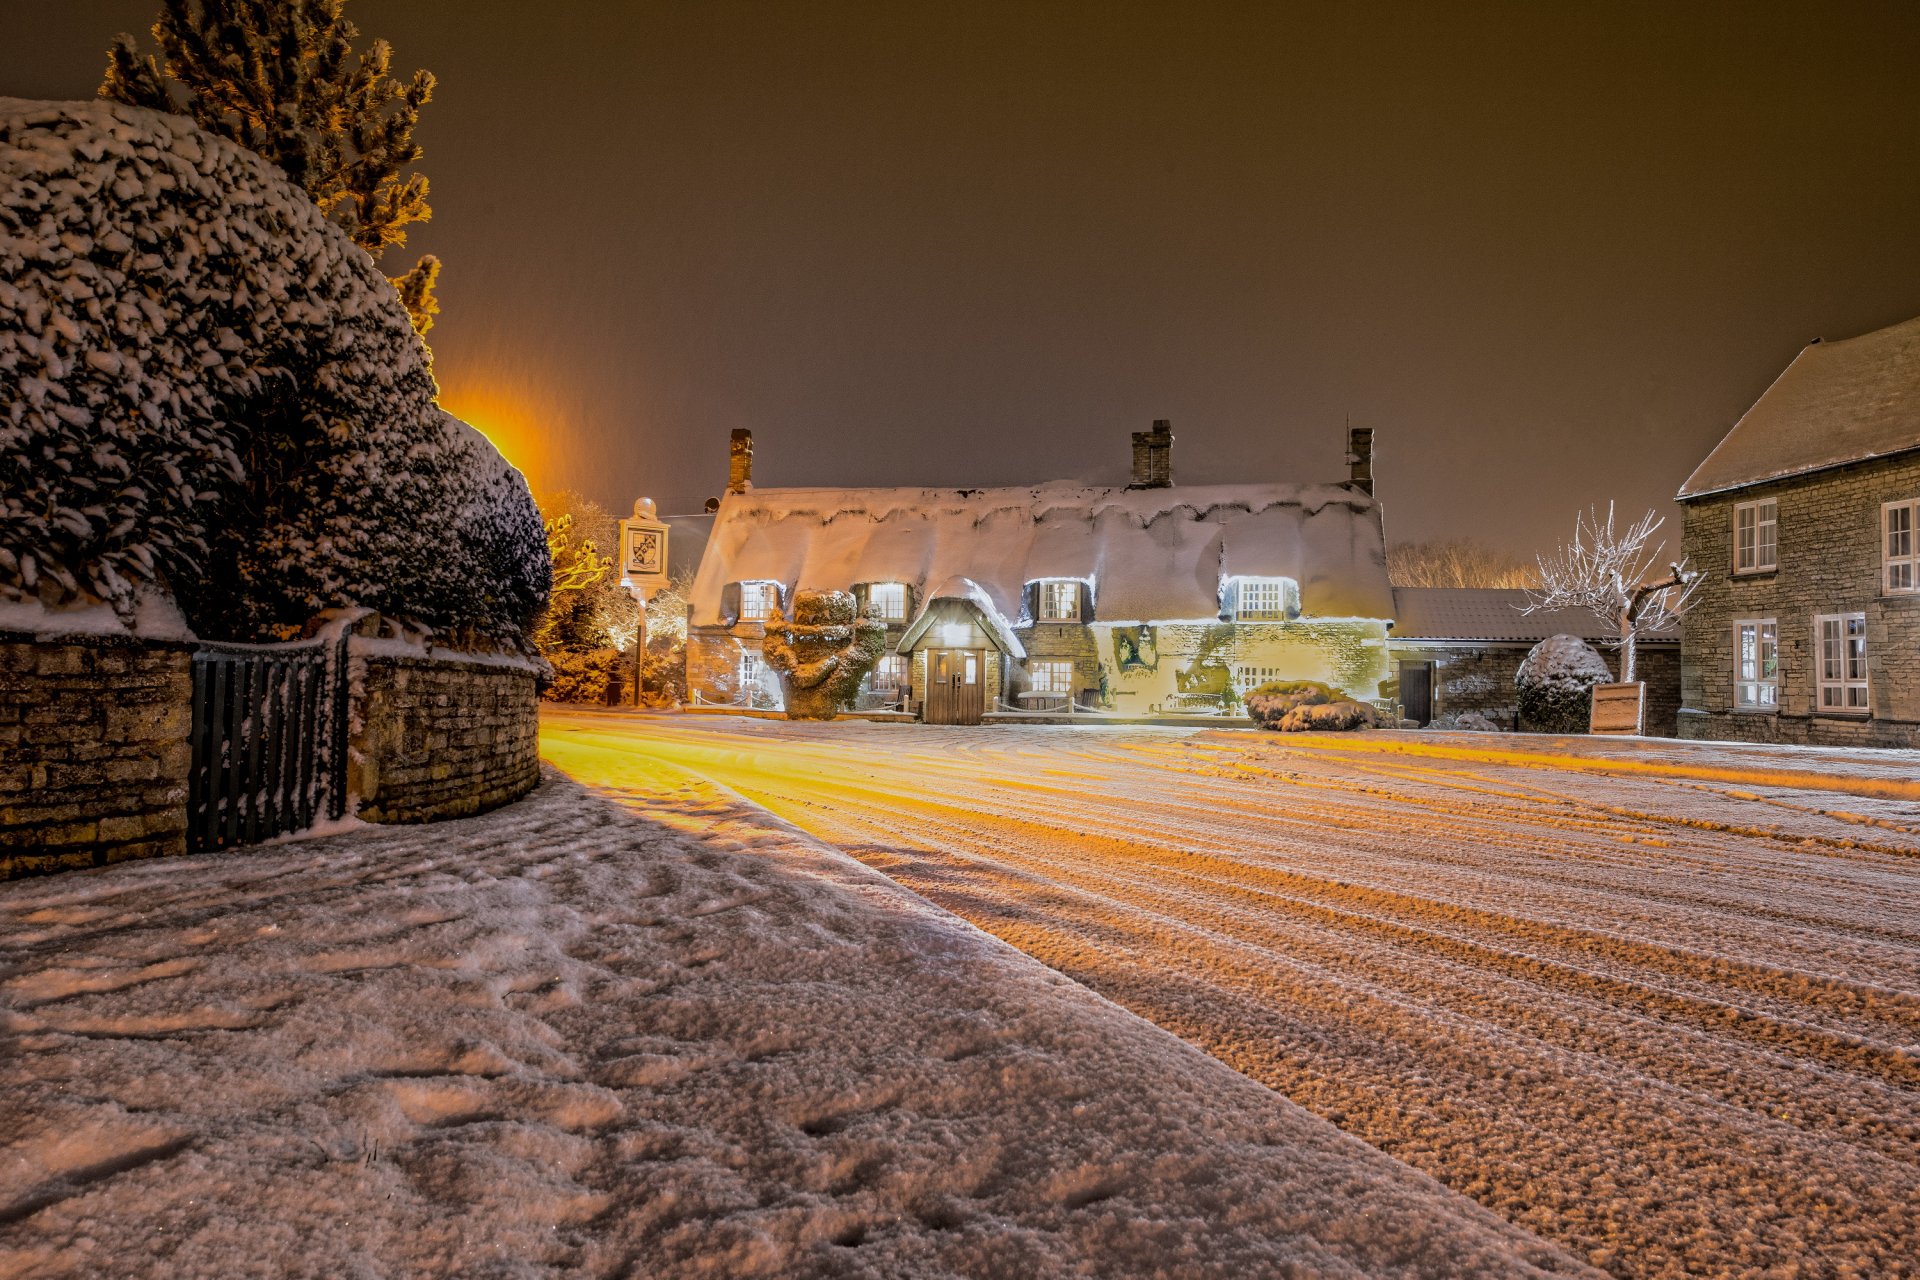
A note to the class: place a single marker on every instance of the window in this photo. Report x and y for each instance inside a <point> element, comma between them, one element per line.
<point>1247,679</point>
<point>1841,639</point>
<point>1047,676</point>
<point>1756,542</point>
<point>757,600</point>
<point>889,674</point>
<point>1900,554</point>
<point>1756,661</point>
<point>1270,598</point>
<point>1060,601</point>
<point>887,601</point>
<point>752,667</point>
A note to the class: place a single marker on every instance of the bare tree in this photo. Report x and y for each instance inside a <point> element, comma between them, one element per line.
<point>1611,573</point>
<point>1458,562</point>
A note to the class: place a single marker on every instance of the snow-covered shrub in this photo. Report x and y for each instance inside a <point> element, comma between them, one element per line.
<point>1293,706</point>
<point>1556,682</point>
<point>205,385</point>
<point>823,653</point>
<point>1476,721</point>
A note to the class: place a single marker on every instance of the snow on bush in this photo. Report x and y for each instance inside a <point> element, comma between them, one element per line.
<point>206,386</point>
<point>1477,721</point>
<point>1556,685</point>
<point>1294,706</point>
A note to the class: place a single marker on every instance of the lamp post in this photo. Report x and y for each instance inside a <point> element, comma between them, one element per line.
<point>643,567</point>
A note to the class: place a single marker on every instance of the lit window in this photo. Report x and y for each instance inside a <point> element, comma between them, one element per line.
<point>887,601</point>
<point>1047,676</point>
<point>1247,679</point>
<point>1756,543</point>
<point>752,666</point>
<point>757,600</point>
<point>1270,598</point>
<point>1059,601</point>
<point>1842,642</point>
<point>1756,657</point>
<point>889,674</point>
<point>1900,552</point>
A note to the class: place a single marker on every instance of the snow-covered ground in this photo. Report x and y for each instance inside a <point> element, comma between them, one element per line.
<point>652,1032</point>
<point>1656,1001</point>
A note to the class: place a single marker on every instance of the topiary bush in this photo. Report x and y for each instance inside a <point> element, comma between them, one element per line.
<point>206,386</point>
<point>1555,683</point>
<point>822,654</point>
<point>1293,706</point>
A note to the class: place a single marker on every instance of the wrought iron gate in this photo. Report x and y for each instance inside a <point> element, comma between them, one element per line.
<point>269,740</point>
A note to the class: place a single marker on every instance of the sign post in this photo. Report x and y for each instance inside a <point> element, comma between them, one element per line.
<point>643,569</point>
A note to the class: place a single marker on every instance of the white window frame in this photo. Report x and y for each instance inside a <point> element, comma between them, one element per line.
<point>764,593</point>
<point>1900,548</point>
<point>1247,679</point>
<point>1050,675</point>
<point>751,665</point>
<point>1048,606</point>
<point>1759,552</point>
<point>890,674</point>
<point>1840,664</point>
<point>1264,599</point>
<point>1756,667</point>
<point>894,593</point>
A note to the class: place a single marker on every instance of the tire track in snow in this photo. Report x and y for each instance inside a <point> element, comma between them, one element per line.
<point>1672,1026</point>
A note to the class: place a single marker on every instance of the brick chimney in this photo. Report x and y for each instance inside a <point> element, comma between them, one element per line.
<point>740,462</point>
<point>1360,458</point>
<point>1153,456</point>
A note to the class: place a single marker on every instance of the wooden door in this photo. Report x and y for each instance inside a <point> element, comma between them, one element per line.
<point>956,686</point>
<point>1416,691</point>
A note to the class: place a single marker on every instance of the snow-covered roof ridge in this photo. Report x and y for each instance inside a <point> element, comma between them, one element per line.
<point>1157,554</point>
<point>1835,403</point>
<point>974,594</point>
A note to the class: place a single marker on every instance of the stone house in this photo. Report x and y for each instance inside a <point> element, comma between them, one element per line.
<point>1150,599</point>
<point>1804,520</point>
<point>1457,649</point>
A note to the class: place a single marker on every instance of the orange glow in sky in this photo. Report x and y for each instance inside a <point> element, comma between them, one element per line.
<point>525,437</point>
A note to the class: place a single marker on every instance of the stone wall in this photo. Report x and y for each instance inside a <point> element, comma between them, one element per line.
<point>1479,677</point>
<point>94,750</point>
<point>1829,562</point>
<point>441,738</point>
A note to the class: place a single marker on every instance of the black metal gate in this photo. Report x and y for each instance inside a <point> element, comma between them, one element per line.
<point>269,740</point>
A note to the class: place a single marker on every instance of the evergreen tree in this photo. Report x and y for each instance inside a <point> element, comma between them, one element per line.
<point>281,78</point>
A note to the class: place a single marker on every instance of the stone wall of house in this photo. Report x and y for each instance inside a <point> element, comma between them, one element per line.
<point>1060,641</point>
<point>94,750</point>
<point>1829,539</point>
<point>441,738</point>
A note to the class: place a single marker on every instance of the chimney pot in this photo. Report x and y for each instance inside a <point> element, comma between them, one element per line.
<point>740,462</point>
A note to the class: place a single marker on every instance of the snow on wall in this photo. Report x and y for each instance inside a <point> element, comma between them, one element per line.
<point>176,320</point>
<point>1151,553</point>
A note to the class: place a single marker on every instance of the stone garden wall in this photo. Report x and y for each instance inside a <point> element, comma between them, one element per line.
<point>93,750</point>
<point>441,738</point>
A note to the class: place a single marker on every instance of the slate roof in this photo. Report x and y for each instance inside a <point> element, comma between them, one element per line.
<point>1838,402</point>
<point>1150,554</point>
<point>1492,614</point>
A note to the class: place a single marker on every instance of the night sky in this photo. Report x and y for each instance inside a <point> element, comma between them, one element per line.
<point>1548,251</point>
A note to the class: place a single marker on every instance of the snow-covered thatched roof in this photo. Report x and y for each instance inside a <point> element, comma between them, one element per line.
<point>1838,402</point>
<point>1150,554</point>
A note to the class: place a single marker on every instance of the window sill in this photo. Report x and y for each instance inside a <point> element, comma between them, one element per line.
<point>1741,575</point>
<point>1830,714</point>
<point>1756,711</point>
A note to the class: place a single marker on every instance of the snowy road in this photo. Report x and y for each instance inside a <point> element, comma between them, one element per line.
<point>1657,1002</point>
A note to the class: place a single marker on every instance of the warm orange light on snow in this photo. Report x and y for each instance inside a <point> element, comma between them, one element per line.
<point>523,436</point>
